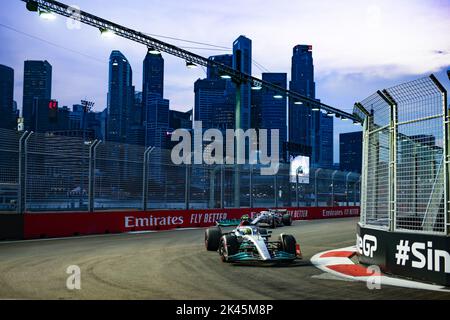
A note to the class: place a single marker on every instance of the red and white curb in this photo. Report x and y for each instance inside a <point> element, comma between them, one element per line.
<point>338,262</point>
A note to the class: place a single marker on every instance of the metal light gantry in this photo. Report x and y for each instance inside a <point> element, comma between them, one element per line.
<point>51,6</point>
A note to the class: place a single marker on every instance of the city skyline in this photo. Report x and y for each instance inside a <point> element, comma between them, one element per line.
<point>339,86</point>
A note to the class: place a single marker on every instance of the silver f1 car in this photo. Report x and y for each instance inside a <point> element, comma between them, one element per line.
<point>249,243</point>
<point>271,218</point>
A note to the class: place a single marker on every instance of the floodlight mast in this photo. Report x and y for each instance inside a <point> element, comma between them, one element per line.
<point>139,37</point>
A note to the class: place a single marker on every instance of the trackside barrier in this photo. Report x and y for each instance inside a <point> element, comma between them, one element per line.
<point>51,225</point>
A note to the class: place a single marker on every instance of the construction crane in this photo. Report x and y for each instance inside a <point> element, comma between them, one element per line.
<point>153,44</point>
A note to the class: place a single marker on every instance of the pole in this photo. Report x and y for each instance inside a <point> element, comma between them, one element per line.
<point>92,149</point>
<point>315,187</point>
<point>21,189</point>
<point>276,189</point>
<point>332,187</point>
<point>187,184</point>
<point>297,197</point>
<point>346,188</point>
<point>238,126</point>
<point>25,174</point>
<point>222,187</point>
<point>145,170</point>
<point>251,186</point>
<point>87,105</point>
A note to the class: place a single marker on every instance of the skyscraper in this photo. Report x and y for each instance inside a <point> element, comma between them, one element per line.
<point>136,133</point>
<point>273,110</point>
<point>180,120</point>
<point>302,81</point>
<point>255,111</point>
<point>120,97</point>
<point>242,61</point>
<point>213,104</point>
<point>350,151</point>
<point>326,150</point>
<point>7,118</point>
<point>156,124</point>
<point>225,59</point>
<point>153,76</point>
<point>155,107</point>
<point>223,113</point>
<point>156,121</point>
<point>37,91</point>
<point>215,107</point>
<point>307,128</point>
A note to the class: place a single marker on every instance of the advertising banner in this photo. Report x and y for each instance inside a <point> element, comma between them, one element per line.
<point>411,255</point>
<point>42,225</point>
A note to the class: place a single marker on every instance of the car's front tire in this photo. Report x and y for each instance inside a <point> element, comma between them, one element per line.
<point>273,223</point>
<point>212,238</point>
<point>229,246</point>
<point>288,243</point>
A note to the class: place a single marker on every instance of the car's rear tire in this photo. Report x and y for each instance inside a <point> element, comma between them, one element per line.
<point>273,223</point>
<point>287,220</point>
<point>212,238</point>
<point>288,243</point>
<point>229,246</point>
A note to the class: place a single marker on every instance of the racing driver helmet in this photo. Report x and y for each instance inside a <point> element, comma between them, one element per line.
<point>245,221</point>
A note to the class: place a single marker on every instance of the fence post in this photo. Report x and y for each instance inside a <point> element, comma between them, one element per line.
<point>92,156</point>
<point>316,173</point>
<point>25,174</point>
<point>297,197</point>
<point>275,187</point>
<point>147,153</point>
<point>187,183</point>
<point>251,186</point>
<point>392,157</point>
<point>332,187</point>
<point>212,186</point>
<point>222,187</point>
<point>346,188</point>
<point>355,195</point>
<point>187,186</point>
<point>363,179</point>
<point>21,180</point>
<point>446,153</point>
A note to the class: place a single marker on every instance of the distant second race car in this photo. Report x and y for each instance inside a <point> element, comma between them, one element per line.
<point>271,218</point>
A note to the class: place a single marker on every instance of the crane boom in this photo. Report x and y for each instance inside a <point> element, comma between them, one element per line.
<point>139,37</point>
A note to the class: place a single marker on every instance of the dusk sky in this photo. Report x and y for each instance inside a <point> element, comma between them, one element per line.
<point>358,46</point>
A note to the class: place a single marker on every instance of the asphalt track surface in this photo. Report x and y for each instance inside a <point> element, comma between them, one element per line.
<point>175,265</point>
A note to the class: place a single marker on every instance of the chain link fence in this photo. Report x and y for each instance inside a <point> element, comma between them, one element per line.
<point>406,158</point>
<point>47,172</point>
<point>9,170</point>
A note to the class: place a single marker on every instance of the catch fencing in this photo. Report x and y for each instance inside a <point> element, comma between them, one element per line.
<point>406,158</point>
<point>51,173</point>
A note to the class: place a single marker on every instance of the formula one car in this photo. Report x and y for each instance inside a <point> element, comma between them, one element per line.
<point>249,243</point>
<point>271,218</point>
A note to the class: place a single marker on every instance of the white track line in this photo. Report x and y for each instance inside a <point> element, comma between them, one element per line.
<point>97,236</point>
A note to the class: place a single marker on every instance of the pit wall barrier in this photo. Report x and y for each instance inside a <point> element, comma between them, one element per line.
<point>53,225</point>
